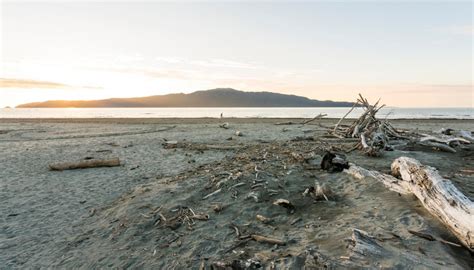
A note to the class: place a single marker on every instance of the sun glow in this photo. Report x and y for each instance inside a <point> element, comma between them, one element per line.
<point>311,54</point>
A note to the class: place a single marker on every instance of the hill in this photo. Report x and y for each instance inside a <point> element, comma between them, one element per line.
<point>221,97</point>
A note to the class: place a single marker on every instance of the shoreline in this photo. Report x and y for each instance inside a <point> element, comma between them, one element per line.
<point>209,120</point>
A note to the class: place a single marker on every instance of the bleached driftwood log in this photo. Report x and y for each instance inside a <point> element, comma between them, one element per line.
<point>84,164</point>
<point>366,249</point>
<point>466,135</point>
<point>444,144</point>
<point>439,196</point>
<point>389,181</point>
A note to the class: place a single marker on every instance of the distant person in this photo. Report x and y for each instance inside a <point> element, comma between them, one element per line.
<point>222,115</point>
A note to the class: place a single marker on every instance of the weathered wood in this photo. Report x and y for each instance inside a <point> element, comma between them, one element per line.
<point>321,115</point>
<point>365,248</point>
<point>439,196</point>
<point>84,164</point>
<point>389,181</point>
<point>466,135</point>
<point>440,146</point>
<point>340,120</point>
<point>265,239</point>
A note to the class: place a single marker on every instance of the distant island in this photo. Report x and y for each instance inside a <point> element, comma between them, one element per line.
<point>220,97</point>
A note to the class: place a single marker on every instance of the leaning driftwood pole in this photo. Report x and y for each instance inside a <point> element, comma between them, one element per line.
<point>439,196</point>
<point>321,115</point>
<point>84,164</point>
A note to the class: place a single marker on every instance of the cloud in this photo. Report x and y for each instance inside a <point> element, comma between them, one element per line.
<point>432,88</point>
<point>467,30</point>
<point>26,83</point>
<point>212,63</point>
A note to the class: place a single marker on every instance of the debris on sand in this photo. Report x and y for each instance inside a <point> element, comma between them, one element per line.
<point>240,211</point>
<point>319,192</point>
<point>224,125</point>
<point>333,162</point>
<point>85,164</point>
<point>285,204</point>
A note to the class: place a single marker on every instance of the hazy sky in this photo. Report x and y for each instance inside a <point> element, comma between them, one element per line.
<point>409,54</point>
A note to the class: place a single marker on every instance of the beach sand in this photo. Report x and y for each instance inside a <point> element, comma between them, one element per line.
<point>110,217</point>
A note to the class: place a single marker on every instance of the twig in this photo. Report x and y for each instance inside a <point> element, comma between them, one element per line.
<point>321,115</point>
<point>265,239</point>
<point>340,120</point>
<point>212,194</point>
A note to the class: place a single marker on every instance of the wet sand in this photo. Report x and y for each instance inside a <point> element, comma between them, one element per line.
<point>107,217</point>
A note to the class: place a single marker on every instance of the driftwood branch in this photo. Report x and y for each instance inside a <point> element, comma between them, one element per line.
<point>84,164</point>
<point>364,247</point>
<point>321,115</point>
<point>439,196</point>
<point>265,239</point>
<point>342,118</point>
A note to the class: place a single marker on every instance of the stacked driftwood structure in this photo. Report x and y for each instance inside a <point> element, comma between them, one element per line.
<point>378,135</point>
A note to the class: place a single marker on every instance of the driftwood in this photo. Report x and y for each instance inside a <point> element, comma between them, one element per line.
<point>429,237</point>
<point>377,135</point>
<point>342,118</point>
<point>365,124</point>
<point>319,191</point>
<point>263,219</point>
<point>319,116</point>
<point>466,135</point>
<point>85,164</point>
<point>389,181</point>
<point>445,144</point>
<point>224,125</point>
<point>438,195</point>
<point>374,134</point>
<point>265,239</point>
<point>286,204</point>
<point>364,248</point>
<point>284,123</point>
<point>334,162</point>
<point>212,194</point>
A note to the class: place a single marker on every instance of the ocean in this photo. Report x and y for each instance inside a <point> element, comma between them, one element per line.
<point>388,112</point>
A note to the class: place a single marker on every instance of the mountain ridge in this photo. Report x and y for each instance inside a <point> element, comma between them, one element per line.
<point>218,97</point>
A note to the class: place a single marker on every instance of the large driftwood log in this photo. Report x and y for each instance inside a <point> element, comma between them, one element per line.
<point>84,164</point>
<point>365,249</point>
<point>439,196</point>
<point>389,181</point>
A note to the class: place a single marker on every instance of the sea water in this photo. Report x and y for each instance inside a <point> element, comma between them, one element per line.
<point>273,112</point>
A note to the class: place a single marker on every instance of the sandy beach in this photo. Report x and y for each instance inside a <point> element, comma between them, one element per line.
<point>113,217</point>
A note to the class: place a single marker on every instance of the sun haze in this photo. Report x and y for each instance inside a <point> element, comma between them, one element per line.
<point>409,54</point>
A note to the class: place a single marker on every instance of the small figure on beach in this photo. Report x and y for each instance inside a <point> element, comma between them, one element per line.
<point>222,115</point>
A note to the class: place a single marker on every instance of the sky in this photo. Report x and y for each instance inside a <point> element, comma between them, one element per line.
<point>409,54</point>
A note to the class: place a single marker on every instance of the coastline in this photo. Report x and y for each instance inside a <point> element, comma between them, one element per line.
<point>207,120</point>
<point>78,218</point>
